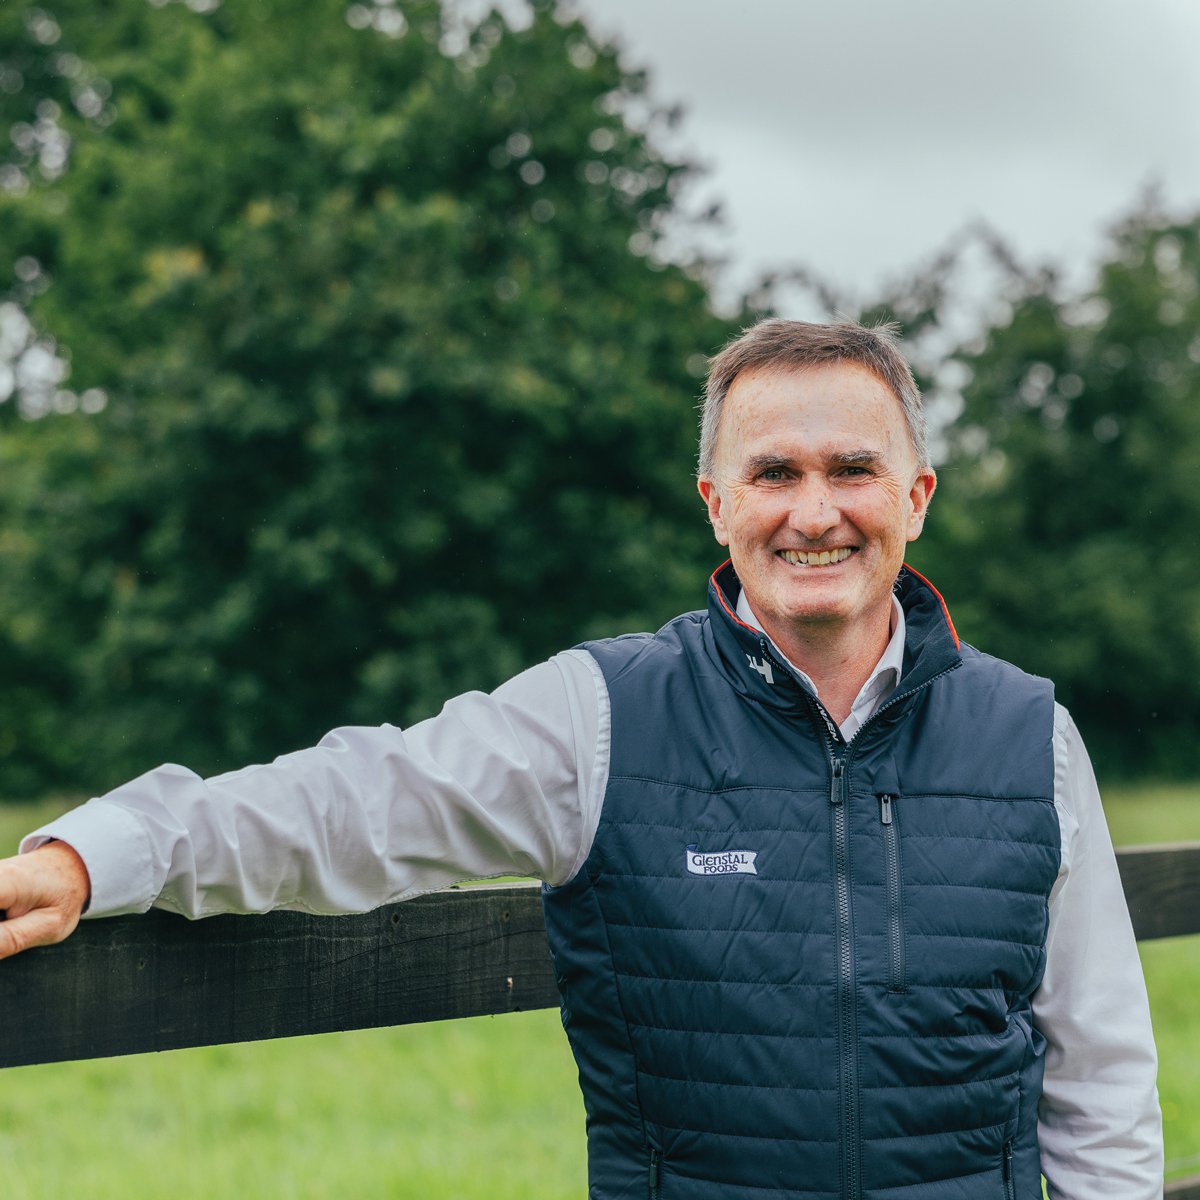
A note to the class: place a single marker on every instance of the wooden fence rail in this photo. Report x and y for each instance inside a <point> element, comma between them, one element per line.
<point>157,982</point>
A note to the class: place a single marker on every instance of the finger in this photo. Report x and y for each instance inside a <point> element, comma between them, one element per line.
<point>41,895</point>
<point>22,889</point>
<point>41,927</point>
<point>7,889</point>
<point>52,876</point>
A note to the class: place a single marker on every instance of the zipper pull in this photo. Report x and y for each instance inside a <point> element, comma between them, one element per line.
<point>835,786</point>
<point>1008,1162</point>
<point>653,1175</point>
<point>885,808</point>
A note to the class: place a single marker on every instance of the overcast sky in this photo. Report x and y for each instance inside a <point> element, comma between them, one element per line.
<point>855,136</point>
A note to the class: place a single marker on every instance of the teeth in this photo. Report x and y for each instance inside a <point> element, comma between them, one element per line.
<point>815,558</point>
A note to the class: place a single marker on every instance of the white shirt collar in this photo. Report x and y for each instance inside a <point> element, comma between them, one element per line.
<point>881,683</point>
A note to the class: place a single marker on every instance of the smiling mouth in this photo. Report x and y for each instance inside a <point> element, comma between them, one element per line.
<point>816,558</point>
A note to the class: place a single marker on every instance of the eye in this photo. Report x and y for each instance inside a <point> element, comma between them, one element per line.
<point>772,475</point>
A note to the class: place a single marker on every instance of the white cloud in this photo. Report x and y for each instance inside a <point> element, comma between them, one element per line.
<point>856,137</point>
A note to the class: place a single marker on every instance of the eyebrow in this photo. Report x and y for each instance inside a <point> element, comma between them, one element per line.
<point>845,458</point>
<point>763,462</point>
<point>857,458</point>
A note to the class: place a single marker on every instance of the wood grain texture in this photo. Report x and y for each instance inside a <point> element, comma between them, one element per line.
<point>159,982</point>
<point>1162,887</point>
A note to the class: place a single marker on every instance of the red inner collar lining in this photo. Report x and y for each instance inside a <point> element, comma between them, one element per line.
<point>725,603</point>
<point>941,601</point>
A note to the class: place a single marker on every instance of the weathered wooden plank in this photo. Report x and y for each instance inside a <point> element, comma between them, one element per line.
<point>1183,1189</point>
<point>159,982</point>
<point>1162,887</point>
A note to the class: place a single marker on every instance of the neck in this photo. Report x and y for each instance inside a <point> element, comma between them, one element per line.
<point>838,659</point>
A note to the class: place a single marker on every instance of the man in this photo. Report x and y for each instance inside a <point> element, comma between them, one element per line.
<point>828,893</point>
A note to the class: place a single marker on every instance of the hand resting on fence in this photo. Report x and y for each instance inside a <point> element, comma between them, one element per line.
<point>42,895</point>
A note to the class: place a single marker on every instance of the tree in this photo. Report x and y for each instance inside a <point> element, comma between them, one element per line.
<point>1063,532</point>
<point>396,392</point>
<point>1066,433</point>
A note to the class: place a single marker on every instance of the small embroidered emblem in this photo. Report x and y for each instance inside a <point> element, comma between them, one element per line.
<point>721,862</point>
<point>762,667</point>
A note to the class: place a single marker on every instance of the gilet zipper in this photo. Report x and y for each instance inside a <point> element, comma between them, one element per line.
<point>1007,1170</point>
<point>653,1175</point>
<point>895,895</point>
<point>846,1000</point>
<point>847,1014</point>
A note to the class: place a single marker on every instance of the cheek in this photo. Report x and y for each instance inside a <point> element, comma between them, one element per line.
<point>890,520</point>
<point>753,517</point>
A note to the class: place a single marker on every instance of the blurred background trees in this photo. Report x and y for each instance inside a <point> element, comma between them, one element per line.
<point>1065,528</point>
<point>345,371</point>
<point>396,396</point>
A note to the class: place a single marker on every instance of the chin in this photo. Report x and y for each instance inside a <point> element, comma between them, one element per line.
<point>814,615</point>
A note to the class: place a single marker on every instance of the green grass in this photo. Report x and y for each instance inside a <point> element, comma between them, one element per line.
<point>1151,813</point>
<point>1147,815</point>
<point>485,1109</point>
<point>481,1108</point>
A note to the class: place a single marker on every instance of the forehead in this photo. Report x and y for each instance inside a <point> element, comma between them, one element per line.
<point>840,406</point>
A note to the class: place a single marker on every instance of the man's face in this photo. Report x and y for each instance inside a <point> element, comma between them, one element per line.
<point>816,492</point>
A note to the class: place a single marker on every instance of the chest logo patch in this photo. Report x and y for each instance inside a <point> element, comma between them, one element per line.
<point>721,862</point>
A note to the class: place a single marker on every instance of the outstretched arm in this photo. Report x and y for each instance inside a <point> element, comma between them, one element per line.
<point>499,784</point>
<point>43,894</point>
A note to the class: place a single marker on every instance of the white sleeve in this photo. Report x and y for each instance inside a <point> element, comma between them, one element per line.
<point>500,784</point>
<point>1099,1122</point>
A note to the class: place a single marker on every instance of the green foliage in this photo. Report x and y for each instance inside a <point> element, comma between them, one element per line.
<point>398,398</point>
<point>396,395</point>
<point>1064,529</point>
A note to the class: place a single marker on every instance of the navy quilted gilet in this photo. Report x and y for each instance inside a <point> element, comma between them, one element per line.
<point>793,967</point>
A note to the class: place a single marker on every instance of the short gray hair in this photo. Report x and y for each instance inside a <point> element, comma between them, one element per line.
<point>776,344</point>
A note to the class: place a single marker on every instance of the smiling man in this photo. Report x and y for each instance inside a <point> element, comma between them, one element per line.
<point>815,485</point>
<point>830,896</point>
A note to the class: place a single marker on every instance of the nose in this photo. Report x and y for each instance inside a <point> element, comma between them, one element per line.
<point>813,513</point>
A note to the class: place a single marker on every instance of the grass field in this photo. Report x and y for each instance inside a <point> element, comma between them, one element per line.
<point>485,1109</point>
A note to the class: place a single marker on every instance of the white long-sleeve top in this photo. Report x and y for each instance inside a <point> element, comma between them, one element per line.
<point>512,783</point>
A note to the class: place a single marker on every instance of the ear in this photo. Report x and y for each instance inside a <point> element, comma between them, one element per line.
<point>919,497</point>
<point>711,495</point>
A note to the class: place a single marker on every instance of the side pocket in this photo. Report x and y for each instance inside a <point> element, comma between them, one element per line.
<point>653,1175</point>
<point>895,892</point>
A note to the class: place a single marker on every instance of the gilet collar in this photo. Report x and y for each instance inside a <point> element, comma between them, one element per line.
<point>745,656</point>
